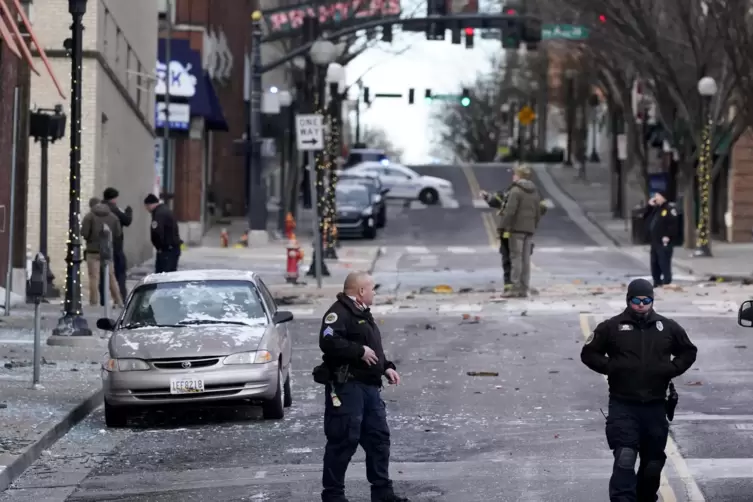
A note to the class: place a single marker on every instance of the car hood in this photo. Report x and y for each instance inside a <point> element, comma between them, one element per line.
<point>434,181</point>
<point>187,341</point>
<point>349,209</point>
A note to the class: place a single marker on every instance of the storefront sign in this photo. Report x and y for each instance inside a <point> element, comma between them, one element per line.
<point>182,79</point>
<point>180,116</point>
<point>282,21</point>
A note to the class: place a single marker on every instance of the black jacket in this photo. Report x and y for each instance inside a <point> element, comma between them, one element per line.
<point>662,221</point>
<point>344,332</point>
<point>636,355</point>
<point>126,218</point>
<point>165,235</point>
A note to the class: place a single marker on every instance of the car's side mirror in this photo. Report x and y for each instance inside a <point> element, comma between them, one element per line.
<point>745,314</point>
<point>106,324</point>
<point>385,190</point>
<point>282,316</point>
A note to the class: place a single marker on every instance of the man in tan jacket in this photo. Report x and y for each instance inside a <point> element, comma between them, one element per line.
<point>92,225</point>
<point>518,221</point>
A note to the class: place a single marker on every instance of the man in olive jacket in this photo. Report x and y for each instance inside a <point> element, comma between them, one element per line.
<point>518,221</point>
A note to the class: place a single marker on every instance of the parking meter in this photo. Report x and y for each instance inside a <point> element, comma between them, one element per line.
<point>105,244</point>
<point>38,279</point>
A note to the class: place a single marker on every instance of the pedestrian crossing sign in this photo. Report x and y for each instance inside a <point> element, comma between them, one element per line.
<point>526,115</point>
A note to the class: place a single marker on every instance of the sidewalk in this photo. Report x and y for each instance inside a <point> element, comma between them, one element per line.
<point>730,262</point>
<point>31,420</point>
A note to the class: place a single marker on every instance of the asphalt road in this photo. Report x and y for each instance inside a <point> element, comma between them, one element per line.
<point>533,433</point>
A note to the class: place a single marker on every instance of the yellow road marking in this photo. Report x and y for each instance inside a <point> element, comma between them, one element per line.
<point>665,490</point>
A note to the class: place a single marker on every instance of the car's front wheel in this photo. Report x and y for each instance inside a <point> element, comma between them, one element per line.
<point>115,416</point>
<point>428,196</point>
<point>274,409</point>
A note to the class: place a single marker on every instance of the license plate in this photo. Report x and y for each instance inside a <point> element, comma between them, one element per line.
<point>186,385</point>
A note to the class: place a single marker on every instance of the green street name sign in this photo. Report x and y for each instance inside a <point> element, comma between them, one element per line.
<point>564,32</point>
<point>446,97</point>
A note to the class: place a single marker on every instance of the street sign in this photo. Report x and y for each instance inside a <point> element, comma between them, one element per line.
<point>310,132</point>
<point>526,115</point>
<point>564,31</point>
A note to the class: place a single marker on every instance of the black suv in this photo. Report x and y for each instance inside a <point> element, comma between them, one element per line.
<point>358,155</point>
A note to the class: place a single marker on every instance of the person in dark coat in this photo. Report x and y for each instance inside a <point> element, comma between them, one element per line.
<point>165,235</point>
<point>635,350</point>
<point>663,225</point>
<point>125,216</point>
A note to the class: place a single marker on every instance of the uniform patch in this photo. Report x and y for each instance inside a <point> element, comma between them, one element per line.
<point>659,326</point>
<point>626,327</point>
<point>362,321</point>
<point>331,317</point>
<point>328,331</point>
<point>590,338</point>
<point>673,212</point>
<point>664,212</point>
<point>154,224</point>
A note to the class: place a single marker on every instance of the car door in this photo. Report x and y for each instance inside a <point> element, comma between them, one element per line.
<point>401,185</point>
<point>282,329</point>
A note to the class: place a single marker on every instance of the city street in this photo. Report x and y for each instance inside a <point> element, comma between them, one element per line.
<point>534,431</point>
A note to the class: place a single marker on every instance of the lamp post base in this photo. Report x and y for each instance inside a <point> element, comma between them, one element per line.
<point>568,163</point>
<point>594,157</point>
<point>703,251</point>
<point>330,253</point>
<point>312,268</point>
<point>72,325</point>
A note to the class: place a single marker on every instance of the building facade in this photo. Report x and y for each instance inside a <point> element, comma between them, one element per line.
<point>120,53</point>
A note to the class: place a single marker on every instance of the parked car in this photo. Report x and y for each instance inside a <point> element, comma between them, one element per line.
<point>405,183</point>
<point>377,191</point>
<point>355,212</point>
<point>745,314</point>
<point>196,337</point>
<point>359,155</point>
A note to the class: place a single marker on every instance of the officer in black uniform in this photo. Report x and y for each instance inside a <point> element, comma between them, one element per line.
<point>165,235</point>
<point>634,350</point>
<point>663,230</point>
<point>354,412</point>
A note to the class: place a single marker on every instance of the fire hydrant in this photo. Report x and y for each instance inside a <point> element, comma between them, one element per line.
<point>295,256</point>
<point>224,238</point>
<point>289,226</point>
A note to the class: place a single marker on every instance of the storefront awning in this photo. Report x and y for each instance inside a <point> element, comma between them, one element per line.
<point>191,91</point>
<point>11,36</point>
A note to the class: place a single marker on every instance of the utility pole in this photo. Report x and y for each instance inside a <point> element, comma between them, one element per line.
<point>166,128</point>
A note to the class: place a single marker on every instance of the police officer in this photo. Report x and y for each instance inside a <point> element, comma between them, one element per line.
<point>663,230</point>
<point>633,349</point>
<point>354,412</point>
<point>165,236</point>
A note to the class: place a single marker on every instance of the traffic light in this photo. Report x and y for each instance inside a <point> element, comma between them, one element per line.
<point>435,29</point>
<point>455,35</point>
<point>465,98</point>
<point>387,33</point>
<point>511,35</point>
<point>469,38</point>
<point>427,96</point>
<point>410,96</point>
<point>366,96</point>
<point>602,18</point>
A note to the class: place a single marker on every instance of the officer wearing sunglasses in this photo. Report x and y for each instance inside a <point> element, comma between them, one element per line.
<point>634,349</point>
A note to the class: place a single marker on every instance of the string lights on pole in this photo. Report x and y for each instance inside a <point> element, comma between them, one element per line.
<point>704,189</point>
<point>332,140</point>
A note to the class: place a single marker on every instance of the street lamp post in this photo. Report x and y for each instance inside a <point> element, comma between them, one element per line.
<point>336,80</point>
<point>73,322</point>
<point>707,89</point>
<point>322,53</point>
<point>594,104</point>
<point>569,113</point>
<point>285,98</point>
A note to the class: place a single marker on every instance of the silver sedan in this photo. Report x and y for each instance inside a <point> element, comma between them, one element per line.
<point>198,336</point>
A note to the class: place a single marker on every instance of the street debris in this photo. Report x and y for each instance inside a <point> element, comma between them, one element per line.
<point>482,373</point>
<point>741,346</point>
<point>442,289</point>
<point>694,384</point>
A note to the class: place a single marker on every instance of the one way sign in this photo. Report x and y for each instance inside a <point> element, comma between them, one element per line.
<point>310,132</point>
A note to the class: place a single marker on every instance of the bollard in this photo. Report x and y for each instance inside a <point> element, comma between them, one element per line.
<point>37,291</point>
<point>105,255</point>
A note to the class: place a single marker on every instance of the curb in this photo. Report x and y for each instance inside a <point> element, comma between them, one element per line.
<point>585,214</point>
<point>32,452</point>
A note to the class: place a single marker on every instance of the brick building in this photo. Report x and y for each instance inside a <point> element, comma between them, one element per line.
<point>16,64</point>
<point>203,159</point>
<point>120,52</point>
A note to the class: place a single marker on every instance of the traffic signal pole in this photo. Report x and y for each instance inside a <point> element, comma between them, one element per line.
<point>530,29</point>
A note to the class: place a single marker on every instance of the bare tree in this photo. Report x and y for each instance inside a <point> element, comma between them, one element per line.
<point>376,138</point>
<point>670,45</point>
<point>474,133</point>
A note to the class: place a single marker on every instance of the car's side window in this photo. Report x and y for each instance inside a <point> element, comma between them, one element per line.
<point>268,298</point>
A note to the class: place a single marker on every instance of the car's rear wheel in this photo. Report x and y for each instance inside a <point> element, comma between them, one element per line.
<point>369,232</point>
<point>288,401</point>
<point>428,196</point>
<point>274,409</point>
<point>115,416</point>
